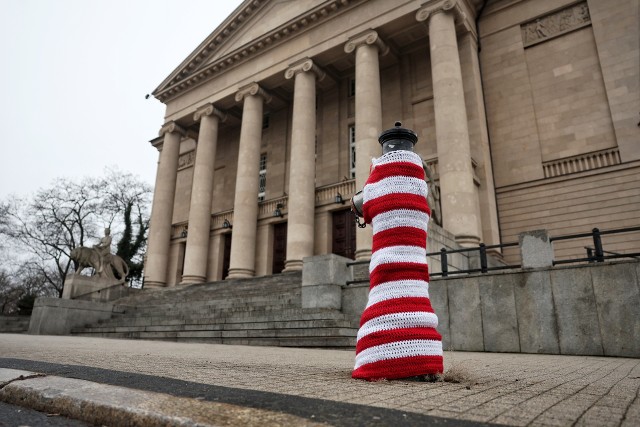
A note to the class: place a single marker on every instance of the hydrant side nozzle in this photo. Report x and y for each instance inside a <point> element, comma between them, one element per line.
<point>356,207</point>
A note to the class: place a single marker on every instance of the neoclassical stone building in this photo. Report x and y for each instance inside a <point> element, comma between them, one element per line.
<point>527,113</point>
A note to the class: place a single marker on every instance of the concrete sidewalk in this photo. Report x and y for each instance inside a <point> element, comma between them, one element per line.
<point>209,384</point>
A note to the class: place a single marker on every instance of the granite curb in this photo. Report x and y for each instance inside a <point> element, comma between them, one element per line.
<point>104,404</point>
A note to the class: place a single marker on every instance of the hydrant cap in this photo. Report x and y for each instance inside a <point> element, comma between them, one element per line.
<point>398,132</point>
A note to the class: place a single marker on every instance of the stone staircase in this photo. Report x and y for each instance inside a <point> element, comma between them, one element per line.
<point>14,324</point>
<point>256,311</point>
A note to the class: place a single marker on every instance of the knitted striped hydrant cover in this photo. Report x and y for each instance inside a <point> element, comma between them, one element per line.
<point>397,336</point>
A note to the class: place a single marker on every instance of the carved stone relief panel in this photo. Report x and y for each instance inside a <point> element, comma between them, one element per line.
<point>552,25</point>
<point>187,159</point>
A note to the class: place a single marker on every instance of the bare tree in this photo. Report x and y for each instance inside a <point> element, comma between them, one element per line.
<point>46,227</point>
<point>19,289</point>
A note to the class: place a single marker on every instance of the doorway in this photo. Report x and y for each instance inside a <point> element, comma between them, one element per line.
<point>279,247</point>
<point>344,234</point>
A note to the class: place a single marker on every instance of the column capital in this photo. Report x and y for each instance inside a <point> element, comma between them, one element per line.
<point>430,9</point>
<point>369,37</point>
<point>171,127</point>
<point>304,65</point>
<point>253,89</point>
<point>209,110</point>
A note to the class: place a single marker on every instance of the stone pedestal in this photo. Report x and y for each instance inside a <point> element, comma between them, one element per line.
<point>55,316</point>
<point>93,288</point>
<point>322,279</point>
<point>535,249</point>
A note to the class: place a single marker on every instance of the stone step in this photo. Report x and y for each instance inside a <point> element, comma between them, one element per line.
<point>222,331</point>
<point>210,337</point>
<point>14,324</point>
<point>256,311</point>
<point>282,282</point>
<point>170,297</point>
<point>214,318</point>
<point>205,300</point>
<point>211,302</point>
<point>209,310</point>
<point>256,325</point>
<point>331,338</point>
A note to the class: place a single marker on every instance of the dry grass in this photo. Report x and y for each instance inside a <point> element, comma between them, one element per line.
<point>458,372</point>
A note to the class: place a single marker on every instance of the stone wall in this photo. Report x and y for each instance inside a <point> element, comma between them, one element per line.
<point>562,98</point>
<point>574,204</point>
<point>589,309</point>
<point>14,324</point>
<point>583,310</point>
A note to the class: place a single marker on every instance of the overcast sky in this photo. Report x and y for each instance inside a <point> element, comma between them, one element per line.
<point>74,76</point>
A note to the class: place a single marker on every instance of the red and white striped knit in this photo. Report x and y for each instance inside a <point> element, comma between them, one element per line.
<point>397,336</point>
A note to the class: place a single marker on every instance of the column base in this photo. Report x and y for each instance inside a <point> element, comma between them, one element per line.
<point>240,273</point>
<point>154,284</point>
<point>292,265</point>
<point>363,254</point>
<point>467,241</point>
<point>192,279</point>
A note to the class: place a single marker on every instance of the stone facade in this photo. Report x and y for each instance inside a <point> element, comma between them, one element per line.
<point>526,112</point>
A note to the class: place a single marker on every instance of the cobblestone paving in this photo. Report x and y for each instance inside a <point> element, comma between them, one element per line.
<point>512,389</point>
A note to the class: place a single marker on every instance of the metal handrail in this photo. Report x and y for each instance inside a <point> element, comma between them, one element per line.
<point>597,254</point>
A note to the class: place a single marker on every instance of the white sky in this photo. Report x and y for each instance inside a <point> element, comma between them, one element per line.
<point>74,75</point>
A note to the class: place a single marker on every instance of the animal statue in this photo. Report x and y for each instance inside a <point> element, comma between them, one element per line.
<point>120,266</point>
<point>103,266</point>
<point>86,257</point>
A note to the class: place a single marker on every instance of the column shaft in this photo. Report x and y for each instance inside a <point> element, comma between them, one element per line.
<point>301,205</point>
<point>368,123</point>
<point>245,214</point>
<point>162,209</point>
<point>195,262</point>
<point>459,199</point>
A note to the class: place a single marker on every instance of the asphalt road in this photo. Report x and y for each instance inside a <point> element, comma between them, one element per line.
<point>17,416</point>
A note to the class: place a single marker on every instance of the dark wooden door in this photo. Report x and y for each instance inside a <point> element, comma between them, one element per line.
<point>279,247</point>
<point>226,257</point>
<point>344,234</point>
<point>181,250</point>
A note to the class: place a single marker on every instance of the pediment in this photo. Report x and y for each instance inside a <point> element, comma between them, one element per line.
<point>273,15</point>
<point>255,24</point>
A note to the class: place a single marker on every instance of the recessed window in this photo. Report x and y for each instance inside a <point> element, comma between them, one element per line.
<point>352,151</point>
<point>262,187</point>
<point>352,87</point>
<point>266,121</point>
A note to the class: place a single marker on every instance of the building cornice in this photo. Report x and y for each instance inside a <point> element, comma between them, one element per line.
<point>192,72</point>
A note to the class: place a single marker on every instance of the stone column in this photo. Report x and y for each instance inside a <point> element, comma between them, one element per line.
<point>162,208</point>
<point>367,46</point>
<point>301,204</point>
<point>458,194</point>
<point>196,255</point>
<point>245,206</point>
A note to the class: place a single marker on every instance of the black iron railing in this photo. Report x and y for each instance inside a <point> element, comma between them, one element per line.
<point>482,252</point>
<point>597,253</point>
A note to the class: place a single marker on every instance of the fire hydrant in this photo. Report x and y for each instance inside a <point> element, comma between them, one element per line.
<point>397,336</point>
